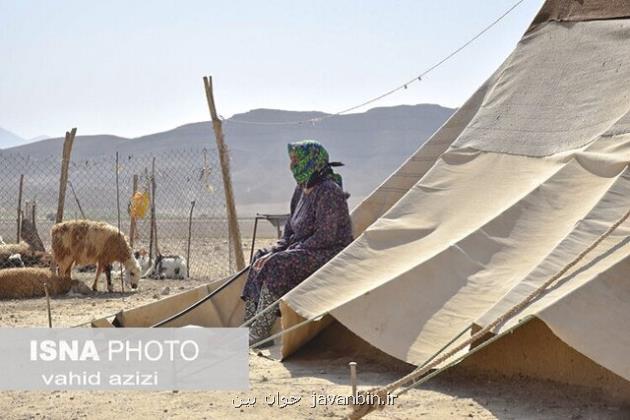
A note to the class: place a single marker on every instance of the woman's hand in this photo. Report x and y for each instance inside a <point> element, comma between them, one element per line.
<point>260,262</point>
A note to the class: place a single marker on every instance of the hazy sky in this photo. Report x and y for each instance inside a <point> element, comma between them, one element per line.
<point>135,67</point>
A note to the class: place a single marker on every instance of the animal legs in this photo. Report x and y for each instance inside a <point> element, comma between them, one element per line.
<point>108,275</point>
<point>99,268</point>
<point>64,268</point>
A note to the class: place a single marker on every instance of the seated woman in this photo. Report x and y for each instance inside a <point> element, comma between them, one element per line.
<point>317,229</point>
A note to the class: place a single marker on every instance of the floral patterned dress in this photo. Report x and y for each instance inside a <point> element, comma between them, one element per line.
<point>318,228</point>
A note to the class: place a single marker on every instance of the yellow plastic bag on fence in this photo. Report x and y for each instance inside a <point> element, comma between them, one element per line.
<point>139,205</point>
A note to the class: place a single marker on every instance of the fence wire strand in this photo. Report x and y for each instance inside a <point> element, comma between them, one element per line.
<point>181,176</point>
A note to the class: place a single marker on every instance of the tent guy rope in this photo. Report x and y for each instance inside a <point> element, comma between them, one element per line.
<point>361,410</point>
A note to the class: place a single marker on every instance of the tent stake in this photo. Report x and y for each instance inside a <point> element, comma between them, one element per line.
<point>353,379</point>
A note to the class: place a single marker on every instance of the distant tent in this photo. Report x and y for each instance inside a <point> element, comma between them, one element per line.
<point>521,179</point>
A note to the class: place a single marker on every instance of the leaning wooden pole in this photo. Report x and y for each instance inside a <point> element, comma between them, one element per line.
<point>234,231</point>
<point>63,181</point>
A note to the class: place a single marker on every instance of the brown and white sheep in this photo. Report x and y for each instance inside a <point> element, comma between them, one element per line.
<point>17,283</point>
<point>11,254</point>
<point>7,250</point>
<point>87,242</point>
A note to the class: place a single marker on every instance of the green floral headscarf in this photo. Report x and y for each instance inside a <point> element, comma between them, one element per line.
<point>309,163</point>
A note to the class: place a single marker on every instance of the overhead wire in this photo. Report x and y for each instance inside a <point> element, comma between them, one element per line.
<point>400,87</point>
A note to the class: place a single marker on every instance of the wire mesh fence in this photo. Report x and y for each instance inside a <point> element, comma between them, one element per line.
<point>114,187</point>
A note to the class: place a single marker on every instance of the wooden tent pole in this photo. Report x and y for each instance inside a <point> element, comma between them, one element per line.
<point>234,231</point>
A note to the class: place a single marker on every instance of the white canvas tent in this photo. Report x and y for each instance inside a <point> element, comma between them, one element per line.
<point>530,171</point>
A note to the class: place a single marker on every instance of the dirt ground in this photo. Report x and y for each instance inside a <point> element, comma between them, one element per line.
<point>314,372</point>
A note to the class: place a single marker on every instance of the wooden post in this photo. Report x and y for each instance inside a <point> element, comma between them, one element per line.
<point>132,222</point>
<point>63,181</point>
<point>48,305</point>
<point>234,230</point>
<point>19,210</point>
<point>192,207</point>
<point>153,228</point>
<point>28,231</point>
<point>353,379</point>
<point>122,283</point>
<point>117,194</point>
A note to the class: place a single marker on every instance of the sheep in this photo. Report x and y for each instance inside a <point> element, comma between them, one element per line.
<point>168,267</point>
<point>16,283</point>
<point>6,250</point>
<point>143,259</point>
<point>88,242</point>
<point>36,259</point>
<point>15,260</point>
<point>11,254</point>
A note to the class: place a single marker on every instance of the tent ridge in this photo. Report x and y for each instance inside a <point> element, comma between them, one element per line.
<point>581,11</point>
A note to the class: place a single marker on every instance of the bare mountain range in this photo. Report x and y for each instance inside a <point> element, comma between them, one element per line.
<point>371,144</point>
<point>9,139</point>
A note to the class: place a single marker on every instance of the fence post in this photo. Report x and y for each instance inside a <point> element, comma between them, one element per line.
<point>28,230</point>
<point>153,228</point>
<point>122,283</point>
<point>192,207</point>
<point>132,222</point>
<point>117,195</point>
<point>234,231</point>
<point>19,210</point>
<point>63,181</point>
